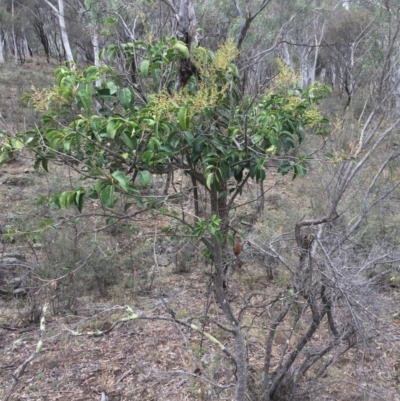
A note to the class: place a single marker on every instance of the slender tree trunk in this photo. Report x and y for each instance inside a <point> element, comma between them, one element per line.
<point>64,34</point>
<point>195,197</point>
<point>95,42</point>
<point>13,34</point>
<point>1,49</point>
<point>6,44</point>
<point>25,44</point>
<point>63,29</point>
<point>218,209</point>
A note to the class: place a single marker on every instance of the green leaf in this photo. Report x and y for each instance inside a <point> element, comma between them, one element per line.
<point>147,156</point>
<point>253,170</point>
<point>182,49</point>
<point>129,141</point>
<point>144,177</point>
<point>140,203</point>
<point>189,137</point>
<point>63,199</point>
<point>210,180</point>
<point>111,51</point>
<point>110,220</point>
<point>144,67</point>
<point>79,198</point>
<point>284,167</point>
<point>107,195</point>
<point>218,237</point>
<point>183,118</point>
<point>17,144</point>
<point>122,180</point>
<point>301,170</point>
<point>111,20</point>
<point>45,164</point>
<point>91,72</point>
<point>112,127</point>
<point>95,172</point>
<point>100,184</point>
<point>67,144</point>
<point>125,97</point>
<point>127,206</point>
<point>113,88</point>
<point>40,200</point>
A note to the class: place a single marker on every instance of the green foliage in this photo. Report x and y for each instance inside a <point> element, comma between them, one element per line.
<point>118,137</point>
<point>213,226</point>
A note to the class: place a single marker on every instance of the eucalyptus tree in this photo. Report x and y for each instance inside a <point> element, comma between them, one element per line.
<point>59,11</point>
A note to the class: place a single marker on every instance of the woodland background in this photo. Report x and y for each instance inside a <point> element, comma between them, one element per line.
<point>141,296</point>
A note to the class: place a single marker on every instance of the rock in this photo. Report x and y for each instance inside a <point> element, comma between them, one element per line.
<point>20,292</point>
<point>18,181</point>
<point>16,255</point>
<point>162,261</point>
<point>4,291</point>
<point>15,282</point>
<point>7,263</point>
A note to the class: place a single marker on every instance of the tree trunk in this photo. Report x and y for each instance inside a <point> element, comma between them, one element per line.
<point>1,49</point>
<point>218,251</point>
<point>186,32</point>
<point>13,34</point>
<point>63,29</point>
<point>95,42</point>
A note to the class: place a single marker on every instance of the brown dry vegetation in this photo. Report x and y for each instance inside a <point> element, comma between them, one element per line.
<point>146,268</point>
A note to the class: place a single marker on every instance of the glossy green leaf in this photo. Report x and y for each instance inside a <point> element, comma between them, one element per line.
<point>79,200</point>
<point>210,180</point>
<point>107,195</point>
<point>112,127</point>
<point>91,72</point>
<point>182,49</point>
<point>122,180</point>
<point>45,165</point>
<point>183,118</point>
<point>125,97</point>
<point>144,67</point>
<point>144,177</point>
<point>112,87</point>
<point>17,144</point>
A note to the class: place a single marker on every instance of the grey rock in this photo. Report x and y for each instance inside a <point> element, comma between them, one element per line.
<point>20,292</point>
<point>18,181</point>
<point>16,255</point>
<point>7,263</point>
<point>162,261</point>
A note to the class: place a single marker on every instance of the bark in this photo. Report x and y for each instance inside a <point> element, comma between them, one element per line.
<point>38,26</point>
<point>221,296</point>
<point>186,32</point>
<point>246,20</point>
<point>95,42</point>
<point>268,352</point>
<point>1,49</point>
<point>13,34</point>
<point>195,197</point>
<point>90,19</point>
